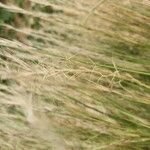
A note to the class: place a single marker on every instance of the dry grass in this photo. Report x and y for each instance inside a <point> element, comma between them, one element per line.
<point>78,82</point>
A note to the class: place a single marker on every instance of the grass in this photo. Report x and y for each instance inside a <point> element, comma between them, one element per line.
<point>74,75</point>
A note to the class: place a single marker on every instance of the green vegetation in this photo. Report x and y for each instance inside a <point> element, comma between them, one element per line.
<point>74,75</point>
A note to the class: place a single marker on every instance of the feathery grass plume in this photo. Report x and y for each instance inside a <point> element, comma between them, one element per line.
<point>74,75</point>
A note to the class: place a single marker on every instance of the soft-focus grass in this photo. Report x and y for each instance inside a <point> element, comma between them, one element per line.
<point>74,75</point>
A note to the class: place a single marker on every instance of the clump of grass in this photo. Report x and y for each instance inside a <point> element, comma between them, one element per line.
<point>67,83</point>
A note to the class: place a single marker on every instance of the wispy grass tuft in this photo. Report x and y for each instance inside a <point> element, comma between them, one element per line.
<point>74,75</point>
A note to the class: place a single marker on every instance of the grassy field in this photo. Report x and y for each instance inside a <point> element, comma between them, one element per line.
<point>75,75</point>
